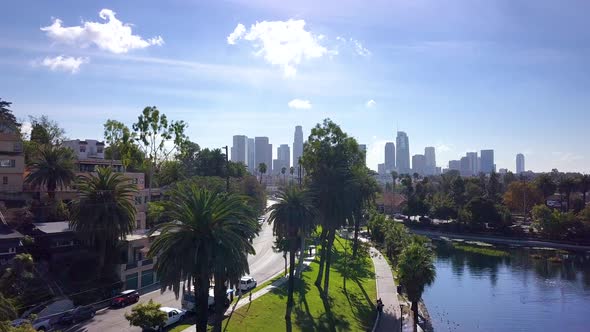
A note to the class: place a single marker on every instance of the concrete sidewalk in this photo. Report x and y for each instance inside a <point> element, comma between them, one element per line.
<point>387,291</point>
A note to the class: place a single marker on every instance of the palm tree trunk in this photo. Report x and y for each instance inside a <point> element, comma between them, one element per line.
<point>285,258</point>
<point>220,297</point>
<point>301,255</point>
<point>331,237</point>
<point>202,290</point>
<point>415,314</point>
<point>291,285</point>
<point>357,221</point>
<point>323,235</point>
<point>102,248</point>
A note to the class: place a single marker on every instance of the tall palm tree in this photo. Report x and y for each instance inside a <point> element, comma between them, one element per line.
<point>52,167</point>
<point>289,215</point>
<point>104,213</point>
<point>283,171</point>
<point>210,234</point>
<point>362,189</point>
<point>584,185</point>
<point>291,171</point>
<point>261,170</point>
<point>394,177</point>
<point>546,185</point>
<point>416,270</point>
<point>566,186</point>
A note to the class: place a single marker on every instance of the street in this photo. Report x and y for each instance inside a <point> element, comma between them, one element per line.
<point>265,264</point>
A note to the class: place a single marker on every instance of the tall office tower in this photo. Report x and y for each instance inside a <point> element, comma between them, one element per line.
<point>251,156</point>
<point>430,155</point>
<point>240,150</point>
<point>473,163</point>
<point>297,147</point>
<point>418,163</point>
<point>269,158</point>
<point>363,148</point>
<point>381,169</point>
<point>389,156</point>
<point>465,167</point>
<point>402,153</point>
<point>487,161</point>
<point>283,158</point>
<point>455,165</point>
<point>519,163</point>
<point>261,147</point>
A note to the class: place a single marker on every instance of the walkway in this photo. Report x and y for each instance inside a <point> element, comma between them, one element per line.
<point>387,291</point>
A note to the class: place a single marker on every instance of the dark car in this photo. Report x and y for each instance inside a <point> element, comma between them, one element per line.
<point>77,315</point>
<point>125,298</point>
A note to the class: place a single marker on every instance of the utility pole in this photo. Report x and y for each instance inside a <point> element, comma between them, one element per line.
<point>226,170</point>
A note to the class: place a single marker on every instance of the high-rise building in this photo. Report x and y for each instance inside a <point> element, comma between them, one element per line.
<point>430,155</point>
<point>418,163</point>
<point>389,156</point>
<point>473,163</point>
<point>283,159</point>
<point>402,153</point>
<point>251,156</point>
<point>487,161</point>
<point>363,148</point>
<point>455,165</point>
<point>263,153</point>
<point>239,149</point>
<point>519,163</point>
<point>297,147</point>
<point>381,169</point>
<point>465,167</point>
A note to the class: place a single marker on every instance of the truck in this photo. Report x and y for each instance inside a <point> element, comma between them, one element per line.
<point>189,299</point>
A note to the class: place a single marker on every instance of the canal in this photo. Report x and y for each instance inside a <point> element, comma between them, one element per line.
<point>480,287</point>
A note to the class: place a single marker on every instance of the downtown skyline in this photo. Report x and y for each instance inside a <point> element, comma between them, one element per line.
<point>459,83</point>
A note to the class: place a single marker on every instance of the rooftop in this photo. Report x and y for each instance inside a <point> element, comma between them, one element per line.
<point>53,227</point>
<point>6,233</point>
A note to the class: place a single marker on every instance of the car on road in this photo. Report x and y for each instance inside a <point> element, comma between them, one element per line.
<point>261,219</point>
<point>174,316</point>
<point>189,300</point>
<point>77,315</point>
<point>125,298</point>
<point>247,283</point>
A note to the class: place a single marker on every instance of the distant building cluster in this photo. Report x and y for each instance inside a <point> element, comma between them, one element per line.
<point>397,158</point>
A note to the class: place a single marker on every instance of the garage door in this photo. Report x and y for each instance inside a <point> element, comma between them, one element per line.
<point>131,281</point>
<point>147,278</point>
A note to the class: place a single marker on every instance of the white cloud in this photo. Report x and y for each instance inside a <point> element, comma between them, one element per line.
<point>238,33</point>
<point>299,104</point>
<point>359,48</point>
<point>371,103</point>
<point>444,148</point>
<point>282,43</point>
<point>113,35</point>
<point>65,63</point>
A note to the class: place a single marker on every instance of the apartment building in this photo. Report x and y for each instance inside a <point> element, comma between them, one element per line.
<point>12,161</point>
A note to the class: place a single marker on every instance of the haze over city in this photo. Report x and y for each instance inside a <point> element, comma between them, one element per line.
<point>461,76</point>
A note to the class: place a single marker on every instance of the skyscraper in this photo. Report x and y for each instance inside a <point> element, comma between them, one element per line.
<point>454,165</point>
<point>251,156</point>
<point>402,158</point>
<point>473,163</point>
<point>389,156</point>
<point>418,163</point>
<point>363,148</point>
<point>297,147</point>
<point>430,155</point>
<point>465,168</point>
<point>487,161</point>
<point>263,153</point>
<point>519,163</point>
<point>283,158</point>
<point>240,149</point>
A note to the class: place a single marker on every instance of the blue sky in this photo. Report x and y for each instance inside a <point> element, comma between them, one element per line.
<point>458,75</point>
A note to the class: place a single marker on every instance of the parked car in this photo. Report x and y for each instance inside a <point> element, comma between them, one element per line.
<point>77,315</point>
<point>247,283</point>
<point>189,300</point>
<point>125,298</point>
<point>174,316</point>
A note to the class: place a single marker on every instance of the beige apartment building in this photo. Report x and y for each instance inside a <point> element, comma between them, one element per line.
<point>12,162</point>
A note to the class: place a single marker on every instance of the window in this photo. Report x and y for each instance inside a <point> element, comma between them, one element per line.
<point>82,148</point>
<point>18,147</point>
<point>5,180</point>
<point>7,163</point>
<point>99,149</point>
<point>137,200</point>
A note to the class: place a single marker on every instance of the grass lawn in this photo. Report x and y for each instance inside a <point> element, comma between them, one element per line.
<point>349,308</point>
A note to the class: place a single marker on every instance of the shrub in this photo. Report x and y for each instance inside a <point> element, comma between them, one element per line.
<point>146,315</point>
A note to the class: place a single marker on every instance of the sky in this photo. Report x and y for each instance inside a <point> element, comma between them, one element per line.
<point>461,76</point>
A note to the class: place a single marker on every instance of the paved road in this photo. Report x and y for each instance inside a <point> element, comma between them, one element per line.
<point>265,264</point>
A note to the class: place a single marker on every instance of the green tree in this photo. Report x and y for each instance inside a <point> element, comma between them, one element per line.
<point>210,234</point>
<point>291,217</point>
<point>396,239</point>
<point>158,138</point>
<point>394,177</point>
<point>210,163</point>
<point>16,278</point>
<point>147,316</point>
<point>104,213</point>
<point>546,185</point>
<point>583,184</point>
<point>7,310</point>
<point>171,171</point>
<point>521,196</point>
<point>188,157</point>
<point>283,171</point>
<point>546,221</point>
<point>122,145</point>
<point>483,210</point>
<point>52,168</point>
<point>329,157</point>
<point>7,119</point>
<point>362,189</point>
<point>261,170</point>
<point>416,270</point>
<point>49,130</point>
<point>566,187</point>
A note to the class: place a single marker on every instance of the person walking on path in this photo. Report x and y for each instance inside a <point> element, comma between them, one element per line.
<point>387,304</point>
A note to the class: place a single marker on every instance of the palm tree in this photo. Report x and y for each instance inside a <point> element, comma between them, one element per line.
<point>283,171</point>
<point>104,213</point>
<point>291,171</point>
<point>394,176</point>
<point>7,310</point>
<point>546,185</point>
<point>289,215</point>
<point>52,167</point>
<point>416,270</point>
<point>210,234</point>
<point>261,170</point>
<point>566,186</point>
<point>362,189</point>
